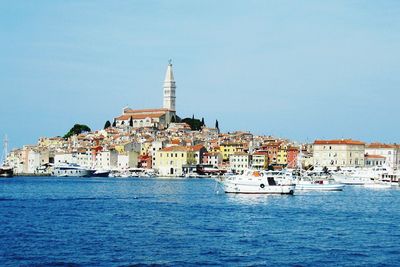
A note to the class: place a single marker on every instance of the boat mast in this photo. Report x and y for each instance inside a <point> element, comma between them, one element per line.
<point>5,150</point>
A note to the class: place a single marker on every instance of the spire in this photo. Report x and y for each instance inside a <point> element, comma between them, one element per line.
<point>169,75</point>
<point>169,88</point>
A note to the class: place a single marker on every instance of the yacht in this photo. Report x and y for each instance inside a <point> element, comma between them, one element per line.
<point>311,180</point>
<point>257,182</point>
<point>71,170</point>
<point>6,171</point>
<point>374,184</point>
<point>101,173</point>
<point>312,183</point>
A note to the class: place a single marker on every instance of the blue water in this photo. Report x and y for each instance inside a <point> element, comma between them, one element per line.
<point>123,222</point>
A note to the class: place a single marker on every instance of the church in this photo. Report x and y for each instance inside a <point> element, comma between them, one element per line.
<point>157,118</point>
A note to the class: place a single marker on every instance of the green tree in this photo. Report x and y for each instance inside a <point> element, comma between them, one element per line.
<point>173,119</point>
<point>217,125</point>
<point>77,129</point>
<point>107,125</point>
<point>114,123</point>
<point>131,122</point>
<point>202,122</point>
<point>194,124</point>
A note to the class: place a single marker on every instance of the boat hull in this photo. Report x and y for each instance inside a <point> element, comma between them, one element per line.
<point>6,172</point>
<point>73,173</point>
<point>319,187</point>
<point>232,188</point>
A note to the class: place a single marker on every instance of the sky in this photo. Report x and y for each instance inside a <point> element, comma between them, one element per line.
<point>302,70</point>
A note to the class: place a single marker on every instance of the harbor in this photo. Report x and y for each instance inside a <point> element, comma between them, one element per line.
<point>72,221</point>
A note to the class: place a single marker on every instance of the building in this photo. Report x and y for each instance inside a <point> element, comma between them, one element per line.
<point>228,149</point>
<point>170,160</point>
<point>390,152</point>
<point>374,160</point>
<point>239,162</point>
<point>213,158</point>
<point>259,160</point>
<point>281,156</point>
<point>155,118</point>
<point>338,153</point>
<point>292,156</point>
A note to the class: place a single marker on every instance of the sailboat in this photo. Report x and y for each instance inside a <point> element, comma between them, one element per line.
<point>5,169</point>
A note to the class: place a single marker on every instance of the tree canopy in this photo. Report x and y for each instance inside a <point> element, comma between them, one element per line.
<point>195,124</point>
<point>77,129</point>
<point>107,125</point>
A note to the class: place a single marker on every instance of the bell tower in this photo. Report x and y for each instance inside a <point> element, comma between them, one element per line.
<point>169,89</point>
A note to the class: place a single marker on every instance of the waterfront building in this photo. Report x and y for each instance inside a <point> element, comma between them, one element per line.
<point>170,160</point>
<point>374,160</point>
<point>155,118</point>
<point>239,162</point>
<point>390,152</point>
<point>259,160</point>
<point>292,156</point>
<point>228,149</point>
<point>281,156</point>
<point>212,158</point>
<point>338,153</point>
<point>272,147</point>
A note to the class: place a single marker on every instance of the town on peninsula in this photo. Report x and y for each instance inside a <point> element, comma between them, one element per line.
<point>159,142</point>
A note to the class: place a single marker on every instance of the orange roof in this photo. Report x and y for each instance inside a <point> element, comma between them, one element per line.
<point>262,153</point>
<point>196,147</point>
<point>175,141</point>
<point>183,148</point>
<point>380,145</point>
<point>338,142</point>
<point>139,116</point>
<point>133,111</point>
<point>375,156</point>
<point>175,148</point>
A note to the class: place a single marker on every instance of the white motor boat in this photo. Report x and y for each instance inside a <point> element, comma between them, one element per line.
<point>71,170</point>
<point>378,185</point>
<point>310,183</point>
<point>256,182</point>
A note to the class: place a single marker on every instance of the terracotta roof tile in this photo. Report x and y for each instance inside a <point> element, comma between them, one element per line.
<point>338,142</point>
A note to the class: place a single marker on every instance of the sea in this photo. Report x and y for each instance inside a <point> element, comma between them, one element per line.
<point>47,221</point>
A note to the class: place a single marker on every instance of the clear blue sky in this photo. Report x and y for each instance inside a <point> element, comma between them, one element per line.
<point>296,69</point>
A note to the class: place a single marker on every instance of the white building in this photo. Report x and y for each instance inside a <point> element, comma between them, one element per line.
<point>390,152</point>
<point>239,162</point>
<point>374,160</point>
<point>338,153</point>
<point>214,159</point>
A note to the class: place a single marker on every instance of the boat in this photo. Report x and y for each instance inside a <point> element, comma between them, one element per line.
<point>71,170</point>
<point>378,185</point>
<point>311,180</point>
<point>6,171</point>
<point>360,176</point>
<point>256,182</point>
<point>308,183</point>
<point>101,173</point>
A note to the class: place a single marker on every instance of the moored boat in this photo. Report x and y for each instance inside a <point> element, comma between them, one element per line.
<point>6,171</point>
<point>71,170</point>
<point>256,182</point>
<point>307,183</point>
